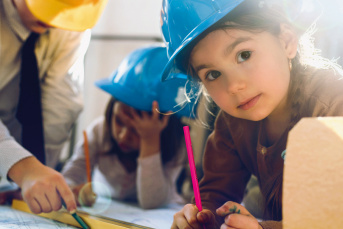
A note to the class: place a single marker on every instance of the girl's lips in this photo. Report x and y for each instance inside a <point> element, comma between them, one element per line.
<point>246,105</point>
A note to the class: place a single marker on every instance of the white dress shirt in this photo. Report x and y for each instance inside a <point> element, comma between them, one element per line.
<point>60,56</point>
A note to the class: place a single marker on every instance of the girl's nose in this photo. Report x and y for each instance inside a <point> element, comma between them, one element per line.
<point>235,83</point>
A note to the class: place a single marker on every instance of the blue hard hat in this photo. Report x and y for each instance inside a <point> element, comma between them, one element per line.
<point>182,22</point>
<point>137,83</point>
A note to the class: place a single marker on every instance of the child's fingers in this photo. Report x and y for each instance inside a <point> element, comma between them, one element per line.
<point>205,216</point>
<point>231,208</point>
<point>133,115</point>
<point>155,110</point>
<point>133,118</point>
<point>190,213</point>
<point>87,196</point>
<point>236,216</point>
<point>76,191</point>
<point>188,218</point>
<point>240,221</point>
<point>145,115</point>
<point>180,221</point>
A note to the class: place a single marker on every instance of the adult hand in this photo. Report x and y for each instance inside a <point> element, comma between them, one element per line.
<point>190,217</point>
<point>237,216</point>
<point>42,187</point>
<point>84,194</point>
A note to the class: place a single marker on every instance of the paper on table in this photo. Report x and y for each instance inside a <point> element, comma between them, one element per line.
<point>90,220</point>
<point>120,212</point>
<point>10,218</point>
<point>161,218</point>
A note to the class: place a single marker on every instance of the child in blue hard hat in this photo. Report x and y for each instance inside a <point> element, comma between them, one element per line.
<point>136,151</point>
<point>257,62</point>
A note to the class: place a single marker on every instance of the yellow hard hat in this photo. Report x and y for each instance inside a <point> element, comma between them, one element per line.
<point>76,15</point>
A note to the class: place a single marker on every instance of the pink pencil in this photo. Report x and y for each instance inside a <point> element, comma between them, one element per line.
<point>192,168</point>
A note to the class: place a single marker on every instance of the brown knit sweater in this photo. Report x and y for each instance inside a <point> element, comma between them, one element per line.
<point>234,151</point>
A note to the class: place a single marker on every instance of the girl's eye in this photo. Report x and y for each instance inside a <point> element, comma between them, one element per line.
<point>243,56</point>
<point>212,75</point>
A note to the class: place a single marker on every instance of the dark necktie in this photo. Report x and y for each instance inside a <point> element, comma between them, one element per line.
<point>29,110</point>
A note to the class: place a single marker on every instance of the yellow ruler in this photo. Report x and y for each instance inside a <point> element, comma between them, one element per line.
<point>92,221</point>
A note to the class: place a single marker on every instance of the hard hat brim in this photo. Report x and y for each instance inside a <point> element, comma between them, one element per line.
<point>144,102</point>
<point>65,16</point>
<point>179,54</point>
<point>123,94</point>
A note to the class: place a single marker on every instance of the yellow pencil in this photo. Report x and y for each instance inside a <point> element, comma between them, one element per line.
<point>88,163</point>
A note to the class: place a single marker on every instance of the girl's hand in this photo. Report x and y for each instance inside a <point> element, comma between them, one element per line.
<point>237,216</point>
<point>149,126</point>
<point>84,195</point>
<point>190,217</point>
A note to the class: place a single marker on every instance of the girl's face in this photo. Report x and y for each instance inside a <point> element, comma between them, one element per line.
<point>246,74</point>
<point>122,130</point>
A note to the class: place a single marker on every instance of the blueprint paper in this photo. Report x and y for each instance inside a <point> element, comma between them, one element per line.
<point>161,218</point>
<point>10,218</point>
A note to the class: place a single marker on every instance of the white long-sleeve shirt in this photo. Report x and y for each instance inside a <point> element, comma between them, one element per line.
<point>152,184</point>
<point>60,56</point>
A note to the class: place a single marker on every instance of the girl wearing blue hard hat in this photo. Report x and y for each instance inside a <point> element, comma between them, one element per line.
<point>249,57</point>
<point>134,150</point>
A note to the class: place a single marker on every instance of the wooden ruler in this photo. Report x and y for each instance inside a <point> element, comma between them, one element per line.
<point>94,222</point>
